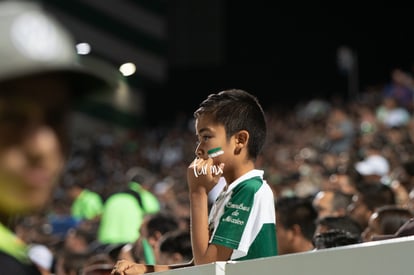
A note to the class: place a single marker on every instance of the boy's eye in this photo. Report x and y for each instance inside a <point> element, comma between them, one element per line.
<point>205,138</point>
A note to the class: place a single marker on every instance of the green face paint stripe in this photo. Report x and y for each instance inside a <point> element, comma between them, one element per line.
<point>215,152</point>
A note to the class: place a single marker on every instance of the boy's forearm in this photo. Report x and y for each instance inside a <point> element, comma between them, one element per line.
<point>199,226</point>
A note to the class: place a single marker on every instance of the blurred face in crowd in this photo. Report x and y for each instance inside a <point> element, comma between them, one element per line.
<point>359,211</point>
<point>285,238</point>
<point>372,229</point>
<point>32,142</point>
<point>323,203</point>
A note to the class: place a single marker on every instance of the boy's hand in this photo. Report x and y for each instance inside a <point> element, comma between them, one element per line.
<point>203,174</point>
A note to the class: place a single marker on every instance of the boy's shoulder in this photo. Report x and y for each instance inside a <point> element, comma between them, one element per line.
<point>252,180</point>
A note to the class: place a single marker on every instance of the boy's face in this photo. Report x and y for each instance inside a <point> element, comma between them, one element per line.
<point>211,135</point>
<point>31,143</point>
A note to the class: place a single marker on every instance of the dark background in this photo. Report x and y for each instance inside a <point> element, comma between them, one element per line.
<point>285,52</point>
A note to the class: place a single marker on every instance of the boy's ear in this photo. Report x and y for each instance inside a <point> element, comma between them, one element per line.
<point>242,138</point>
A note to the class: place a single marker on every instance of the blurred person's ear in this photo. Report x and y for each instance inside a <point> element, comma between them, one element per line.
<point>297,231</point>
<point>177,257</point>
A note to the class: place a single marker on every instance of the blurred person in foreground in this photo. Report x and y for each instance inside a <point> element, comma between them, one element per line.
<point>231,130</point>
<point>38,82</point>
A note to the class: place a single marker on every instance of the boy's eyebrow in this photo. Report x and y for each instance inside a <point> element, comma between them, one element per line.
<point>203,130</point>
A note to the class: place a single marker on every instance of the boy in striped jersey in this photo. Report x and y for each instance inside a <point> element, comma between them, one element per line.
<point>231,131</point>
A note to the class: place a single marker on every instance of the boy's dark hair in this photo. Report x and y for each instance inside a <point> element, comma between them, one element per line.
<point>237,110</point>
<point>297,210</point>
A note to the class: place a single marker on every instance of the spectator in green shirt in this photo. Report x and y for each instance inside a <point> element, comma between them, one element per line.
<point>86,204</point>
<point>124,212</point>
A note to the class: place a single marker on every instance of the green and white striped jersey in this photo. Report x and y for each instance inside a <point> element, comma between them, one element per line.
<point>243,218</point>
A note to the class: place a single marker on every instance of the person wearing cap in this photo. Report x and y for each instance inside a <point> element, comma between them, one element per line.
<point>40,76</point>
<point>376,168</point>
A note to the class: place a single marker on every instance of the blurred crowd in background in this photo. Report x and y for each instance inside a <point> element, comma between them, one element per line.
<point>320,147</point>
